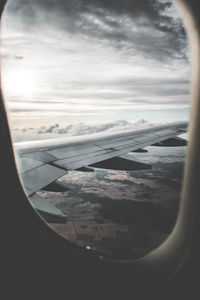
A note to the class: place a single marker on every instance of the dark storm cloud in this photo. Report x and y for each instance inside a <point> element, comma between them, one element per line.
<point>130,7</point>
<point>155,34</point>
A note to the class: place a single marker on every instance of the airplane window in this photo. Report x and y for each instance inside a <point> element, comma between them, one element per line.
<point>98,102</point>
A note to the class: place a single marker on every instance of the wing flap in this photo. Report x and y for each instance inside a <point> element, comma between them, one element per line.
<point>164,132</point>
<point>42,156</point>
<point>27,163</point>
<point>112,143</point>
<point>74,151</point>
<point>42,176</point>
<point>47,210</point>
<point>82,162</point>
<point>65,162</point>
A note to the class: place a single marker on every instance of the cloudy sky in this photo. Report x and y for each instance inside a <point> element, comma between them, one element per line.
<point>94,61</point>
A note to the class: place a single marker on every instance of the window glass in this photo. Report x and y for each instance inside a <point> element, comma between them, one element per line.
<point>81,74</point>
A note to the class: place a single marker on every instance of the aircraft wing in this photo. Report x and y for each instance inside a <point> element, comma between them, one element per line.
<point>41,163</point>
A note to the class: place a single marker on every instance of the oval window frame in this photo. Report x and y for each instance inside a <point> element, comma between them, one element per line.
<point>160,264</point>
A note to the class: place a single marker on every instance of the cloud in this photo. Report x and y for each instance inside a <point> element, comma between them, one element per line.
<point>96,97</point>
<point>55,130</point>
<point>147,26</point>
<point>82,129</point>
<point>92,58</point>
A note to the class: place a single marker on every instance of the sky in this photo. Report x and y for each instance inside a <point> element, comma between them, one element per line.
<point>94,61</point>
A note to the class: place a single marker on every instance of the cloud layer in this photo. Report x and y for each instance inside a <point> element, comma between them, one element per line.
<point>152,27</point>
<point>56,130</point>
<point>91,58</point>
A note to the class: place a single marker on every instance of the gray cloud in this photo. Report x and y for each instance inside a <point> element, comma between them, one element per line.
<point>133,26</point>
<point>92,97</point>
<point>92,59</point>
<point>151,9</point>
